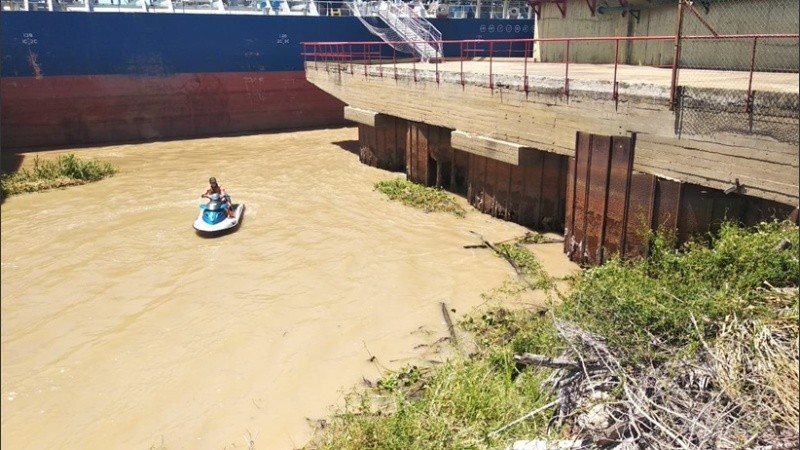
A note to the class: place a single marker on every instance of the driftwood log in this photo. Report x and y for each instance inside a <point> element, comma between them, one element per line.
<point>449,322</point>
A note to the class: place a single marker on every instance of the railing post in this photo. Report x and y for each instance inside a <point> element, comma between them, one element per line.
<point>380,60</point>
<point>437,69</point>
<point>676,57</point>
<point>350,57</point>
<point>414,67</point>
<point>566,71</point>
<point>525,69</point>
<point>491,61</point>
<point>749,101</point>
<point>394,62</point>
<point>615,92</point>
<point>461,61</point>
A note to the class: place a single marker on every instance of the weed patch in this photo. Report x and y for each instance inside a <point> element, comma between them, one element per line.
<point>428,199</point>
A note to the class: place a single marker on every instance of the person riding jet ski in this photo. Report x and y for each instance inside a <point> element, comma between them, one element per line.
<point>215,188</point>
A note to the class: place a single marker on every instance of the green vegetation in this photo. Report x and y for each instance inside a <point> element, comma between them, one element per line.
<point>527,265</point>
<point>645,308</point>
<point>67,170</point>
<point>727,304</point>
<point>455,407</point>
<point>427,198</point>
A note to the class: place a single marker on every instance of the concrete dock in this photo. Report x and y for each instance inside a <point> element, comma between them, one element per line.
<point>709,139</point>
<point>598,152</point>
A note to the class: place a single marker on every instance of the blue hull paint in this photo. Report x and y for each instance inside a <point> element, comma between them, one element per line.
<point>74,43</point>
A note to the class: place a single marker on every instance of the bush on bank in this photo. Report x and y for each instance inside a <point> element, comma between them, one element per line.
<point>716,292</point>
<point>66,170</point>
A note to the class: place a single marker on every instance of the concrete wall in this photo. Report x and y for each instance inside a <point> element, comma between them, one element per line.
<point>724,16</point>
<point>545,120</point>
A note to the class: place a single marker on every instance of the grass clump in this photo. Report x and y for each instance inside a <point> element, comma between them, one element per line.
<point>429,199</point>
<point>461,403</point>
<point>528,267</point>
<point>66,170</point>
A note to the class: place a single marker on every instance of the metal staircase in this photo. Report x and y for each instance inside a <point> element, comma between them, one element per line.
<point>407,32</point>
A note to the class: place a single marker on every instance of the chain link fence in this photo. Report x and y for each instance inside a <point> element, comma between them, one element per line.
<point>738,64</point>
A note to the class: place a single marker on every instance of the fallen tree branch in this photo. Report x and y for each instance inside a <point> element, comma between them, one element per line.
<point>530,359</point>
<point>501,253</point>
<point>505,255</point>
<point>532,413</point>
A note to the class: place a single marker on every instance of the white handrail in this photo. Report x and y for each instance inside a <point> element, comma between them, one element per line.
<point>420,35</point>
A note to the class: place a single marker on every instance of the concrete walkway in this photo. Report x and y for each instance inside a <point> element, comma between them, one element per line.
<point>737,80</point>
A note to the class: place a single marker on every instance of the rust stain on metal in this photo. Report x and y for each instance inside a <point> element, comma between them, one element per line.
<point>597,198</point>
<point>621,161</point>
<point>577,238</point>
<point>33,60</point>
<point>639,214</point>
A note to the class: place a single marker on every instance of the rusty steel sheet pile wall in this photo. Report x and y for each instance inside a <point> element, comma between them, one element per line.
<point>532,195</point>
<point>601,203</point>
<point>384,146</point>
<point>429,155</point>
<point>611,209</point>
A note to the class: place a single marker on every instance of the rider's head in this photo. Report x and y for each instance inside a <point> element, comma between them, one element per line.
<point>212,181</point>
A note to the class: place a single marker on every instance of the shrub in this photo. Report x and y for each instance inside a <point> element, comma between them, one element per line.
<point>645,307</point>
<point>67,170</point>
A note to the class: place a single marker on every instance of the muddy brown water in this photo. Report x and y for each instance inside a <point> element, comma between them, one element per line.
<point>123,329</point>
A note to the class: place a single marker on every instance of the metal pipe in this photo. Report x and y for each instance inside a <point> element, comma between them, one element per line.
<point>605,9</point>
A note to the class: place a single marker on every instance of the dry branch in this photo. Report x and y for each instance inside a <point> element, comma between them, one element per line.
<point>739,392</point>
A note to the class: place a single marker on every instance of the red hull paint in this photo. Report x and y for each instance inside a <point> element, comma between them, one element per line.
<point>87,110</point>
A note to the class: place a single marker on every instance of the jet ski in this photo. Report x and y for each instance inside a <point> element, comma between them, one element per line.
<point>213,217</point>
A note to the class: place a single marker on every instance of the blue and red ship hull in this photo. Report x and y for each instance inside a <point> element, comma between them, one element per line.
<point>82,78</point>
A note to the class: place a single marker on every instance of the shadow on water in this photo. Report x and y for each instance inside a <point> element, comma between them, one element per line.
<point>215,235</point>
<point>351,146</point>
<point>10,162</point>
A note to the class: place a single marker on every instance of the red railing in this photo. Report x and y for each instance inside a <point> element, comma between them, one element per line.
<point>348,55</point>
